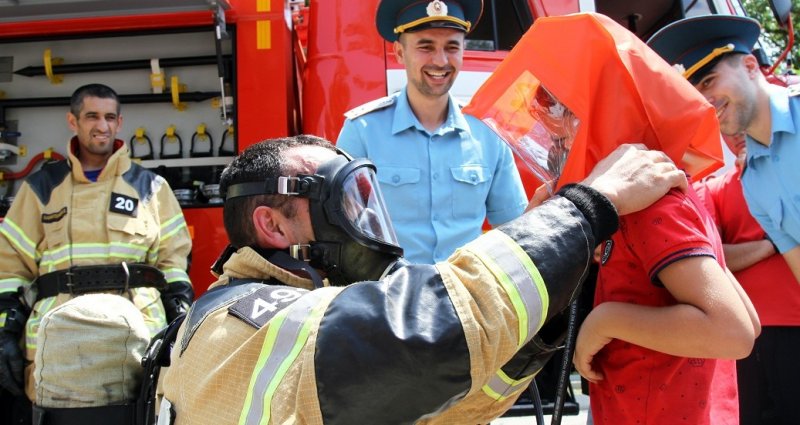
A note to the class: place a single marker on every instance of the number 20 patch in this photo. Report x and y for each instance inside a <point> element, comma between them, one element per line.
<point>123,204</point>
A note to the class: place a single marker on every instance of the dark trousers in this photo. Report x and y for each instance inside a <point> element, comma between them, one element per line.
<point>14,410</point>
<point>769,379</point>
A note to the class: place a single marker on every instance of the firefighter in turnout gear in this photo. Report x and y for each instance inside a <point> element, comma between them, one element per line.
<point>316,318</point>
<point>94,222</point>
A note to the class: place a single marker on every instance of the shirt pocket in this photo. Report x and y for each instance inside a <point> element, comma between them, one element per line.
<point>400,188</point>
<point>129,237</point>
<point>470,188</point>
<point>55,233</point>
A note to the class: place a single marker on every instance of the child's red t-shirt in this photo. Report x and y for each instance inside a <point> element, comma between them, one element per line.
<point>643,386</point>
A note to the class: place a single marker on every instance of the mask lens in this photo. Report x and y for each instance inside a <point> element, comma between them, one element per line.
<point>364,208</point>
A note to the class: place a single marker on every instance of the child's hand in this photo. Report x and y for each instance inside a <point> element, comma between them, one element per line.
<point>589,342</point>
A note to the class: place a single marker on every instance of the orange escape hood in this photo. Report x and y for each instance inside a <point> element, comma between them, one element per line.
<point>618,88</point>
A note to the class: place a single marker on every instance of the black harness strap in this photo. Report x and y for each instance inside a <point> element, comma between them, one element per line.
<point>121,414</point>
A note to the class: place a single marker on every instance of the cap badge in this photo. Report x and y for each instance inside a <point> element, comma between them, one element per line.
<point>680,68</point>
<point>437,8</point>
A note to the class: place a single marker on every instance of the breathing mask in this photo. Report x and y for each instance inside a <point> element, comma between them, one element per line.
<point>354,237</point>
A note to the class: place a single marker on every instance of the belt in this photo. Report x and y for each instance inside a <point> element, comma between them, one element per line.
<point>119,414</point>
<point>85,279</point>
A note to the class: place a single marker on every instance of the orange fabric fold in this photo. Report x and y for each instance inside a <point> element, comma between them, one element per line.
<point>619,89</point>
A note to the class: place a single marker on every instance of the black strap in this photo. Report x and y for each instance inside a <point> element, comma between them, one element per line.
<point>85,279</point>
<point>120,414</point>
<point>156,357</point>
<point>285,261</point>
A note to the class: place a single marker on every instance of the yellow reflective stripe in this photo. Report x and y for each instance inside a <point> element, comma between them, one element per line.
<point>286,336</point>
<point>12,284</point>
<point>538,280</point>
<point>172,226</point>
<point>32,326</point>
<point>501,386</point>
<point>17,236</point>
<point>3,315</point>
<point>152,257</point>
<point>120,250</point>
<point>175,275</point>
<point>516,301</point>
<point>708,58</point>
<point>518,276</point>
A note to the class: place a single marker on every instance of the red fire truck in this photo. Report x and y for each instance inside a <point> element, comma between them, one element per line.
<point>203,79</point>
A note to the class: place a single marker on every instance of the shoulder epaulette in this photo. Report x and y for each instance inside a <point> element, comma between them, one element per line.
<point>142,181</point>
<point>794,90</point>
<point>370,106</point>
<point>211,301</point>
<point>47,178</point>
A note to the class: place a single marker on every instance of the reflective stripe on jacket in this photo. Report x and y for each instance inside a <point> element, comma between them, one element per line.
<point>59,218</point>
<point>428,344</point>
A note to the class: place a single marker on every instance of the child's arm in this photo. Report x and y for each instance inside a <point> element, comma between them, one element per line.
<point>712,318</point>
<point>751,309</point>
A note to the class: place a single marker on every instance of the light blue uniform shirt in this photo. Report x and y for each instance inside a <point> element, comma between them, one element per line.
<point>438,186</point>
<point>771,179</point>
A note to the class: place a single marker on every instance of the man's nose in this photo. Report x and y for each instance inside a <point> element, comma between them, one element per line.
<point>102,125</point>
<point>439,58</point>
<point>715,101</point>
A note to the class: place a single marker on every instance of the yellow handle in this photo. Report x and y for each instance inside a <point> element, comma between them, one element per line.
<point>49,61</point>
<point>177,88</point>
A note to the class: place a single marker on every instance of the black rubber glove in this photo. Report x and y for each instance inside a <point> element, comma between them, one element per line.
<point>177,298</point>
<point>11,360</point>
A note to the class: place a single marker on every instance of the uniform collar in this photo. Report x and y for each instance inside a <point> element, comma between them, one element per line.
<point>404,117</point>
<point>118,163</point>
<point>247,263</point>
<point>781,121</point>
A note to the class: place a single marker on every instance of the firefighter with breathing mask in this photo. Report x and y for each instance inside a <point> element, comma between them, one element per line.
<point>316,318</point>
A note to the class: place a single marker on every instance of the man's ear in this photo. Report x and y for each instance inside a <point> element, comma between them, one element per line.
<point>72,122</point>
<point>269,226</point>
<point>751,64</point>
<point>398,51</point>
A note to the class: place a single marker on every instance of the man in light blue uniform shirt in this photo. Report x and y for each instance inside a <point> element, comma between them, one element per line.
<point>714,54</point>
<point>441,172</point>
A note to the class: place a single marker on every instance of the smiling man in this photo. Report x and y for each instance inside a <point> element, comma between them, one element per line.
<point>713,53</point>
<point>95,222</point>
<point>441,172</point>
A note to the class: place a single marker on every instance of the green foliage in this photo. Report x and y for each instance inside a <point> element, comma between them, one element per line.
<point>774,37</point>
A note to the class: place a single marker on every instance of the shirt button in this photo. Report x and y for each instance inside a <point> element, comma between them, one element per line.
<point>395,178</point>
<point>473,177</point>
<point>776,158</point>
<point>435,217</point>
<point>435,176</point>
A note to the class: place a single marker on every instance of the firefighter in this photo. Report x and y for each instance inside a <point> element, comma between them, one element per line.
<point>94,222</point>
<point>316,318</point>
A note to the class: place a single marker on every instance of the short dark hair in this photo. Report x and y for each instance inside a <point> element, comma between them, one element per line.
<point>91,90</point>
<point>257,163</point>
